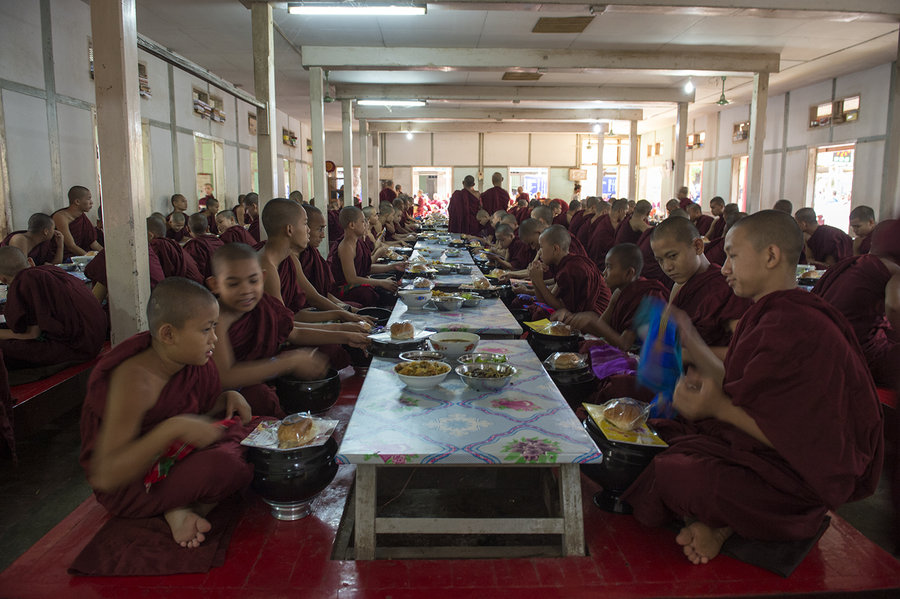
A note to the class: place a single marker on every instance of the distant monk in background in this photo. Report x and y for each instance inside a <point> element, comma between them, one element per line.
<point>784,206</point>
<point>631,229</point>
<point>207,197</point>
<point>715,250</point>
<point>520,210</point>
<point>464,205</point>
<point>862,223</point>
<point>496,198</point>
<point>825,245</point>
<point>52,316</point>
<point>684,198</point>
<point>41,241</point>
<point>79,234</point>
<point>603,237</point>
<point>703,222</point>
<point>717,208</point>
<point>203,244</point>
<point>335,231</point>
<point>251,212</point>
<point>387,193</point>
<point>177,219</point>
<point>173,260</point>
<point>212,208</point>
<point>230,231</point>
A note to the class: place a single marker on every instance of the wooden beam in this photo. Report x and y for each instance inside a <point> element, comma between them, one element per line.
<point>672,59</point>
<point>379,113</point>
<point>512,93</point>
<point>484,126</point>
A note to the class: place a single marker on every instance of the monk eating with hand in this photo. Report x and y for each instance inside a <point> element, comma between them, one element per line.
<point>862,223</point>
<point>825,245</point>
<point>230,231</point>
<point>155,389</point>
<point>252,328</point>
<point>202,244</point>
<point>173,260</point>
<point>41,241</point>
<point>753,453</point>
<point>351,265</point>
<point>79,233</point>
<point>623,276</point>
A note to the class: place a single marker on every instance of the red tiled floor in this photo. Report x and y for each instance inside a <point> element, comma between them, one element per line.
<point>271,559</point>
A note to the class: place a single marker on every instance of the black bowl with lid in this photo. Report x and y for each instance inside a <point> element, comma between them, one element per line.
<point>296,395</point>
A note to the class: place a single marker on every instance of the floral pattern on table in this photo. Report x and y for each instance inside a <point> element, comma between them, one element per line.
<point>526,422</point>
<point>491,317</point>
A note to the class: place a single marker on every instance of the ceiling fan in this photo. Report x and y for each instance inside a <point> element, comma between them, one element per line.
<point>722,100</point>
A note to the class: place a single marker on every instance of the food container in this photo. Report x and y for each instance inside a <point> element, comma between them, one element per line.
<point>483,358</point>
<point>444,269</point>
<point>558,367</point>
<point>413,356</point>
<point>315,397</point>
<point>404,251</point>
<point>472,302</point>
<point>379,315</point>
<point>473,375</point>
<point>81,261</point>
<point>454,344</point>
<point>544,345</point>
<point>392,349</point>
<point>448,303</point>
<point>423,382</point>
<point>415,298</point>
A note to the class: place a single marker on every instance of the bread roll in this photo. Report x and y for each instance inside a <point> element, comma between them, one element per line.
<point>402,329</point>
<point>567,361</point>
<point>420,283</point>
<point>295,431</point>
<point>481,284</point>
<point>624,415</point>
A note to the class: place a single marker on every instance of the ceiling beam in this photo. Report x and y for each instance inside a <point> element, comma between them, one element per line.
<point>673,59</point>
<point>383,113</point>
<point>479,126</point>
<point>510,93</point>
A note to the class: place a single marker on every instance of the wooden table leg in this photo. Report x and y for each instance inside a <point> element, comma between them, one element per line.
<point>573,518</point>
<point>364,537</point>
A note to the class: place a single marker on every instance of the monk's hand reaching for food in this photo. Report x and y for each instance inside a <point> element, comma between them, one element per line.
<point>389,284</point>
<point>195,430</point>
<point>350,317</point>
<point>580,320</point>
<point>400,266</point>
<point>519,288</point>
<point>236,405</point>
<point>560,315</point>
<point>354,327</point>
<point>307,364</point>
<point>697,397</point>
<point>357,340</point>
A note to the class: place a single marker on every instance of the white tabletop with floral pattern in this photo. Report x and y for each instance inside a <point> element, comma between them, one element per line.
<point>489,318</point>
<point>526,422</point>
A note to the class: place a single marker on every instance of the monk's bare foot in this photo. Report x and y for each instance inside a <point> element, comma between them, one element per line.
<point>700,542</point>
<point>188,527</point>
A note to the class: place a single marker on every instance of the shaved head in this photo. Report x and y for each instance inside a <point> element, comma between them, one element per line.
<point>279,213</point>
<point>773,227</point>
<point>678,228</point>
<point>694,210</point>
<point>12,261</point>
<point>174,301</point>
<point>350,214</point>
<point>643,208</point>
<point>627,255</point>
<point>620,205</point>
<point>177,219</point>
<point>503,230</point>
<point>76,192</point>
<point>231,253</point>
<point>731,208</point>
<point>198,224</point>
<point>591,203</point>
<point>575,205</point>
<point>227,214</point>
<point>672,205</point>
<point>543,213</point>
<point>509,219</point>
<point>312,210</point>
<point>496,179</point>
<point>603,207</point>
<point>717,201</point>
<point>529,227</point>
<point>679,213</point>
<point>557,235</point>
<point>863,213</point>
<point>156,225</point>
<point>40,222</point>
<point>806,215</point>
<point>784,206</point>
<point>733,217</point>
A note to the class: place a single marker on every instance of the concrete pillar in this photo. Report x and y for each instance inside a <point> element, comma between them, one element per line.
<point>267,133</point>
<point>376,146</point>
<point>632,162</point>
<point>317,127</point>
<point>890,194</point>
<point>363,163</point>
<point>680,148</point>
<point>758,105</point>
<point>599,190</point>
<point>347,148</point>
<point>114,34</point>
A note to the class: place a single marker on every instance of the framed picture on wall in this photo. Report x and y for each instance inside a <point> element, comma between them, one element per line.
<point>251,123</point>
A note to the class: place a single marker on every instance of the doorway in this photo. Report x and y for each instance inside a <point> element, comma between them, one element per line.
<point>739,172</point>
<point>833,186</point>
<point>533,180</point>
<point>209,160</point>
<point>695,180</point>
<point>435,182</point>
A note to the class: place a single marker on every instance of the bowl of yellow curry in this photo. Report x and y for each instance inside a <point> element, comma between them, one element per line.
<point>422,374</point>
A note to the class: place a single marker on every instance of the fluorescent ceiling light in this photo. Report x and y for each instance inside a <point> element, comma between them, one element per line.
<point>391,102</point>
<point>409,135</point>
<point>689,86</point>
<point>356,8</point>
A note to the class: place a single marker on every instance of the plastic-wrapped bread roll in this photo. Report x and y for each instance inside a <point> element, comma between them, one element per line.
<point>402,329</point>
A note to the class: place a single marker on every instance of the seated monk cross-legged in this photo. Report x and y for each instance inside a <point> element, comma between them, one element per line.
<point>230,231</point>
<point>753,453</point>
<point>202,243</point>
<point>41,242</point>
<point>79,233</point>
<point>52,317</point>
<point>155,389</point>
<point>252,328</point>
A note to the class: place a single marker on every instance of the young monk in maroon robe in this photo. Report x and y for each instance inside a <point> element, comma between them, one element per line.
<point>862,223</point>
<point>79,233</point>
<point>579,286</point>
<point>825,245</point>
<point>754,453</point>
<point>351,265</point>
<point>387,193</point>
<point>464,205</point>
<point>700,290</point>
<point>155,389</point>
<point>173,260</point>
<point>683,197</point>
<point>631,229</point>
<point>702,222</point>
<point>251,212</point>
<point>202,244</point>
<point>623,267</point>
<point>51,315</point>
<point>603,237</point>
<point>523,253</point>
<point>252,328</point>
<point>521,210</point>
<point>715,249</point>
<point>41,241</point>
<point>866,289</point>
<point>230,231</point>
<point>717,229</point>
<point>335,231</point>
<point>501,254</point>
<point>177,219</point>
<point>95,271</point>
<point>496,198</point>
<point>592,213</point>
<point>652,269</point>
<point>210,211</point>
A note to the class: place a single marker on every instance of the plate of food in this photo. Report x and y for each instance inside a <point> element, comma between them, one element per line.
<point>422,374</point>
<point>401,331</point>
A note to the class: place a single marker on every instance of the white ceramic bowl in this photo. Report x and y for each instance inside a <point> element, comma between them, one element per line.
<point>453,344</point>
<point>415,298</point>
<point>422,382</point>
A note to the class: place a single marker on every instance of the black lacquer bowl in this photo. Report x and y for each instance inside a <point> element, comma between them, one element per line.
<point>544,345</point>
<point>379,315</point>
<point>296,395</point>
<point>289,480</point>
<point>622,463</point>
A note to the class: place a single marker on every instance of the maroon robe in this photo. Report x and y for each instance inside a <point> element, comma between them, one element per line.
<point>586,230</point>
<point>829,241</point>
<point>715,251</point>
<point>602,240</point>
<point>683,203</point>
<point>622,313</point>
<point>626,234</point>
<point>826,432</point>
<point>494,199</point>
<point>213,225</point>
<point>292,293</point>
<point>651,269</point>
<point>856,287</point>
<point>710,303</point>
<point>520,254</point>
<point>462,212</point>
<point>717,229</point>
<point>173,260</point>
<point>259,335</point>
<point>580,286</point>
<point>201,250</point>
<point>561,220</point>
<point>72,323</point>
<point>207,475</point>
<point>42,253</point>
<point>865,246</point>
<point>576,248</point>
<point>83,233</point>
<point>703,223</point>
<point>237,234</point>
<point>365,295</point>
<point>386,195</point>
<point>523,196</point>
<point>317,270</point>
<point>253,229</point>
<point>95,270</point>
<point>577,222</point>
<point>335,230</point>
